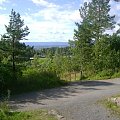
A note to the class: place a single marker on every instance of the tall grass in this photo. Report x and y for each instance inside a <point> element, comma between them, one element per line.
<point>31,79</point>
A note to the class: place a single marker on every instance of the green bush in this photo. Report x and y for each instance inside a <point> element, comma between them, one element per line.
<point>4,110</point>
<point>5,79</point>
<point>116,75</point>
<point>33,79</point>
<point>105,74</point>
<point>27,80</point>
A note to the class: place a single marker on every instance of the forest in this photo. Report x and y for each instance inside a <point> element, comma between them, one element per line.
<point>92,54</point>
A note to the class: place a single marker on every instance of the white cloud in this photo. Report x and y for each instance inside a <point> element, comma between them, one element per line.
<point>118,7</point>
<point>48,30</point>
<point>115,8</point>
<point>55,25</point>
<point>4,19</point>
<point>44,3</point>
<point>75,16</point>
<point>2,8</point>
<point>54,14</point>
<point>87,0</point>
<point>3,1</point>
<point>53,22</point>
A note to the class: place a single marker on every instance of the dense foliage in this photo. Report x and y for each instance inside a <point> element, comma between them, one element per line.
<point>96,51</point>
<point>18,73</point>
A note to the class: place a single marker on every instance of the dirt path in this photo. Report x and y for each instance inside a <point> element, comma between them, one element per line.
<point>75,102</point>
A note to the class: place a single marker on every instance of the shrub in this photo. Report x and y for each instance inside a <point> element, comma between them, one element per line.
<point>116,75</point>
<point>105,74</point>
<point>5,79</point>
<point>33,79</point>
<point>30,79</point>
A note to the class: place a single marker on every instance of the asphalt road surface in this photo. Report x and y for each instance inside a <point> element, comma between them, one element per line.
<point>78,101</point>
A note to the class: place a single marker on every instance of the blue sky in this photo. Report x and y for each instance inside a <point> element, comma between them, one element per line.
<point>48,20</point>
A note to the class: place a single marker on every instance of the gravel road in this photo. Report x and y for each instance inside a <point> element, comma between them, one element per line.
<point>78,101</point>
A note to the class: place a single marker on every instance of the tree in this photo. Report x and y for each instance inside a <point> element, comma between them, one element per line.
<point>95,21</point>
<point>83,41</point>
<point>96,14</point>
<point>15,32</point>
<point>83,47</point>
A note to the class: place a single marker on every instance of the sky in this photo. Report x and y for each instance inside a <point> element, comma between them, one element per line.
<point>48,20</point>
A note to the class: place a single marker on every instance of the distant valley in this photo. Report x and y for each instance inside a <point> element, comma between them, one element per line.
<point>39,45</point>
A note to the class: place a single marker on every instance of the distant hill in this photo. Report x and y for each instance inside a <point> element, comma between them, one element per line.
<point>39,45</point>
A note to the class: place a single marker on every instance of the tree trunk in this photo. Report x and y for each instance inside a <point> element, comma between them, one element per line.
<point>81,74</point>
<point>75,76</point>
<point>70,75</point>
<point>13,60</point>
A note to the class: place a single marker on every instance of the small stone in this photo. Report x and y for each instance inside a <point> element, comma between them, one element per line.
<point>59,117</point>
<point>53,112</point>
<point>118,101</point>
<point>115,100</point>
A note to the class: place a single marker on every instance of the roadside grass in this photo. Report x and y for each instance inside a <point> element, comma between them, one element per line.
<point>104,75</point>
<point>30,115</point>
<point>33,80</point>
<point>71,76</point>
<point>116,75</point>
<point>113,107</point>
<point>97,77</point>
<point>7,114</point>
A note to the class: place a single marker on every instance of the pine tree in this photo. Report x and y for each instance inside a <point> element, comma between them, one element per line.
<point>95,21</point>
<point>96,14</point>
<point>15,32</point>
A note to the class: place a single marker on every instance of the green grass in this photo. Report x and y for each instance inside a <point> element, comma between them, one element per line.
<point>71,76</point>
<point>33,80</point>
<point>97,77</point>
<point>105,74</point>
<point>114,109</point>
<point>116,75</point>
<point>29,115</point>
<point>102,75</point>
<point>7,114</point>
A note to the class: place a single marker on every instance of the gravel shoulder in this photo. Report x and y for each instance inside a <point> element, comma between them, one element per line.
<point>78,101</point>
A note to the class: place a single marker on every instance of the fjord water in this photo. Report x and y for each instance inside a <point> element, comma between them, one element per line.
<point>38,45</point>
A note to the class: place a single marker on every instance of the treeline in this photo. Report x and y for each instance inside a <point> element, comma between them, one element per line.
<point>44,52</point>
